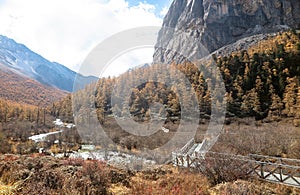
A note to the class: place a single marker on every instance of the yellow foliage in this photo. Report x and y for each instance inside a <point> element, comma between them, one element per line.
<point>119,189</point>
<point>8,189</point>
<point>54,149</point>
<point>287,39</point>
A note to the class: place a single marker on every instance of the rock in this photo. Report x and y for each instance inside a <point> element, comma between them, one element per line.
<point>198,27</point>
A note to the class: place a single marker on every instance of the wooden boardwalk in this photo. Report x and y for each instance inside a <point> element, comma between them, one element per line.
<point>278,170</point>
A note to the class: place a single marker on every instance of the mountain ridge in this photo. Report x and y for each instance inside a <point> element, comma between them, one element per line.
<point>21,60</point>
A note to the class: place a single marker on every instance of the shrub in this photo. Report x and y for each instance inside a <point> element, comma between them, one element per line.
<point>253,187</point>
<point>171,183</point>
<point>98,174</point>
<point>220,169</point>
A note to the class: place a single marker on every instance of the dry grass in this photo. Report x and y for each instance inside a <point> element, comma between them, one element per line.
<point>8,189</point>
<point>247,136</point>
<point>252,187</point>
<point>47,175</point>
<point>169,180</point>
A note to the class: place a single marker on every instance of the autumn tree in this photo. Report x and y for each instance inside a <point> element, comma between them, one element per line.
<point>276,105</point>
<point>289,97</point>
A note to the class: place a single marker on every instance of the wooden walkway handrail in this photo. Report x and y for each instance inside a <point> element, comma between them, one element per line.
<point>272,169</point>
<point>276,164</point>
<point>275,158</point>
<point>187,146</point>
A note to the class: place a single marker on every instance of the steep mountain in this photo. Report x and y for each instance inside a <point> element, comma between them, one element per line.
<point>192,24</point>
<point>21,60</point>
<point>21,89</point>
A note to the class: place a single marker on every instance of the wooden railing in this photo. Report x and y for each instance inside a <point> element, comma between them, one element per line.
<point>187,147</point>
<point>279,170</point>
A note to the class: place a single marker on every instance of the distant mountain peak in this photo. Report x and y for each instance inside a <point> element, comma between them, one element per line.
<point>21,60</point>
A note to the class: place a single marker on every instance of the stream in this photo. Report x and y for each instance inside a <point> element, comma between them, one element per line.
<point>88,152</point>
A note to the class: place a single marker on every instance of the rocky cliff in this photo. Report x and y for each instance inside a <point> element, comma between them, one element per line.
<point>192,25</point>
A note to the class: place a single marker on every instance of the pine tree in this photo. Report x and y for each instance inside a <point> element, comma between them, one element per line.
<point>100,108</point>
<point>289,97</point>
<point>297,110</point>
<point>231,106</point>
<point>173,105</point>
<point>276,106</point>
<point>258,84</point>
<point>238,86</point>
<point>297,106</point>
<point>251,104</point>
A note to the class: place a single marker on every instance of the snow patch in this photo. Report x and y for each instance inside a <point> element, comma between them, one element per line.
<point>59,123</point>
<point>42,137</point>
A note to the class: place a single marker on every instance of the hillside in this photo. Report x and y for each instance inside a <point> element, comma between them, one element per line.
<point>22,61</point>
<point>17,88</point>
<point>261,82</point>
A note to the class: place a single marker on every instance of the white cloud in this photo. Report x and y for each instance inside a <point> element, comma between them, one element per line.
<point>164,11</point>
<point>66,30</point>
<point>134,58</point>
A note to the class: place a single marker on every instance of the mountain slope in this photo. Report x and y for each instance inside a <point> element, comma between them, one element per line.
<point>213,24</point>
<point>21,60</point>
<point>21,89</point>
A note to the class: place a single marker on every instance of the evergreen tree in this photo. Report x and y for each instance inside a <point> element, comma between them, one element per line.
<point>276,106</point>
<point>251,104</point>
<point>289,97</point>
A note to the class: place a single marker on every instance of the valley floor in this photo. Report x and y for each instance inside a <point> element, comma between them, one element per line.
<point>34,173</point>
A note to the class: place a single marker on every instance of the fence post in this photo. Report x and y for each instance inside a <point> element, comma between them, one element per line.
<point>280,169</point>
<point>262,170</point>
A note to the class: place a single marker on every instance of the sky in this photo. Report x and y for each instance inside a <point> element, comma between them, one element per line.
<point>65,31</point>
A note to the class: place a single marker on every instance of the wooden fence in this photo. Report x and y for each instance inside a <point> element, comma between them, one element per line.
<point>278,170</point>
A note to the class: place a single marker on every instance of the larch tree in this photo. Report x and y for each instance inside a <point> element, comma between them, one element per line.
<point>251,104</point>
<point>290,96</point>
<point>276,105</point>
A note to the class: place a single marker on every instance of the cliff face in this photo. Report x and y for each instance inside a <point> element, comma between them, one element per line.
<point>216,23</point>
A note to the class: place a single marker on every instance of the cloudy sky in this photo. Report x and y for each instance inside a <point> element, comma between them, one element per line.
<point>65,31</point>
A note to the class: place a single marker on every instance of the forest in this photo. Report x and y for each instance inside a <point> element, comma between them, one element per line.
<point>262,82</point>
<point>23,90</point>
